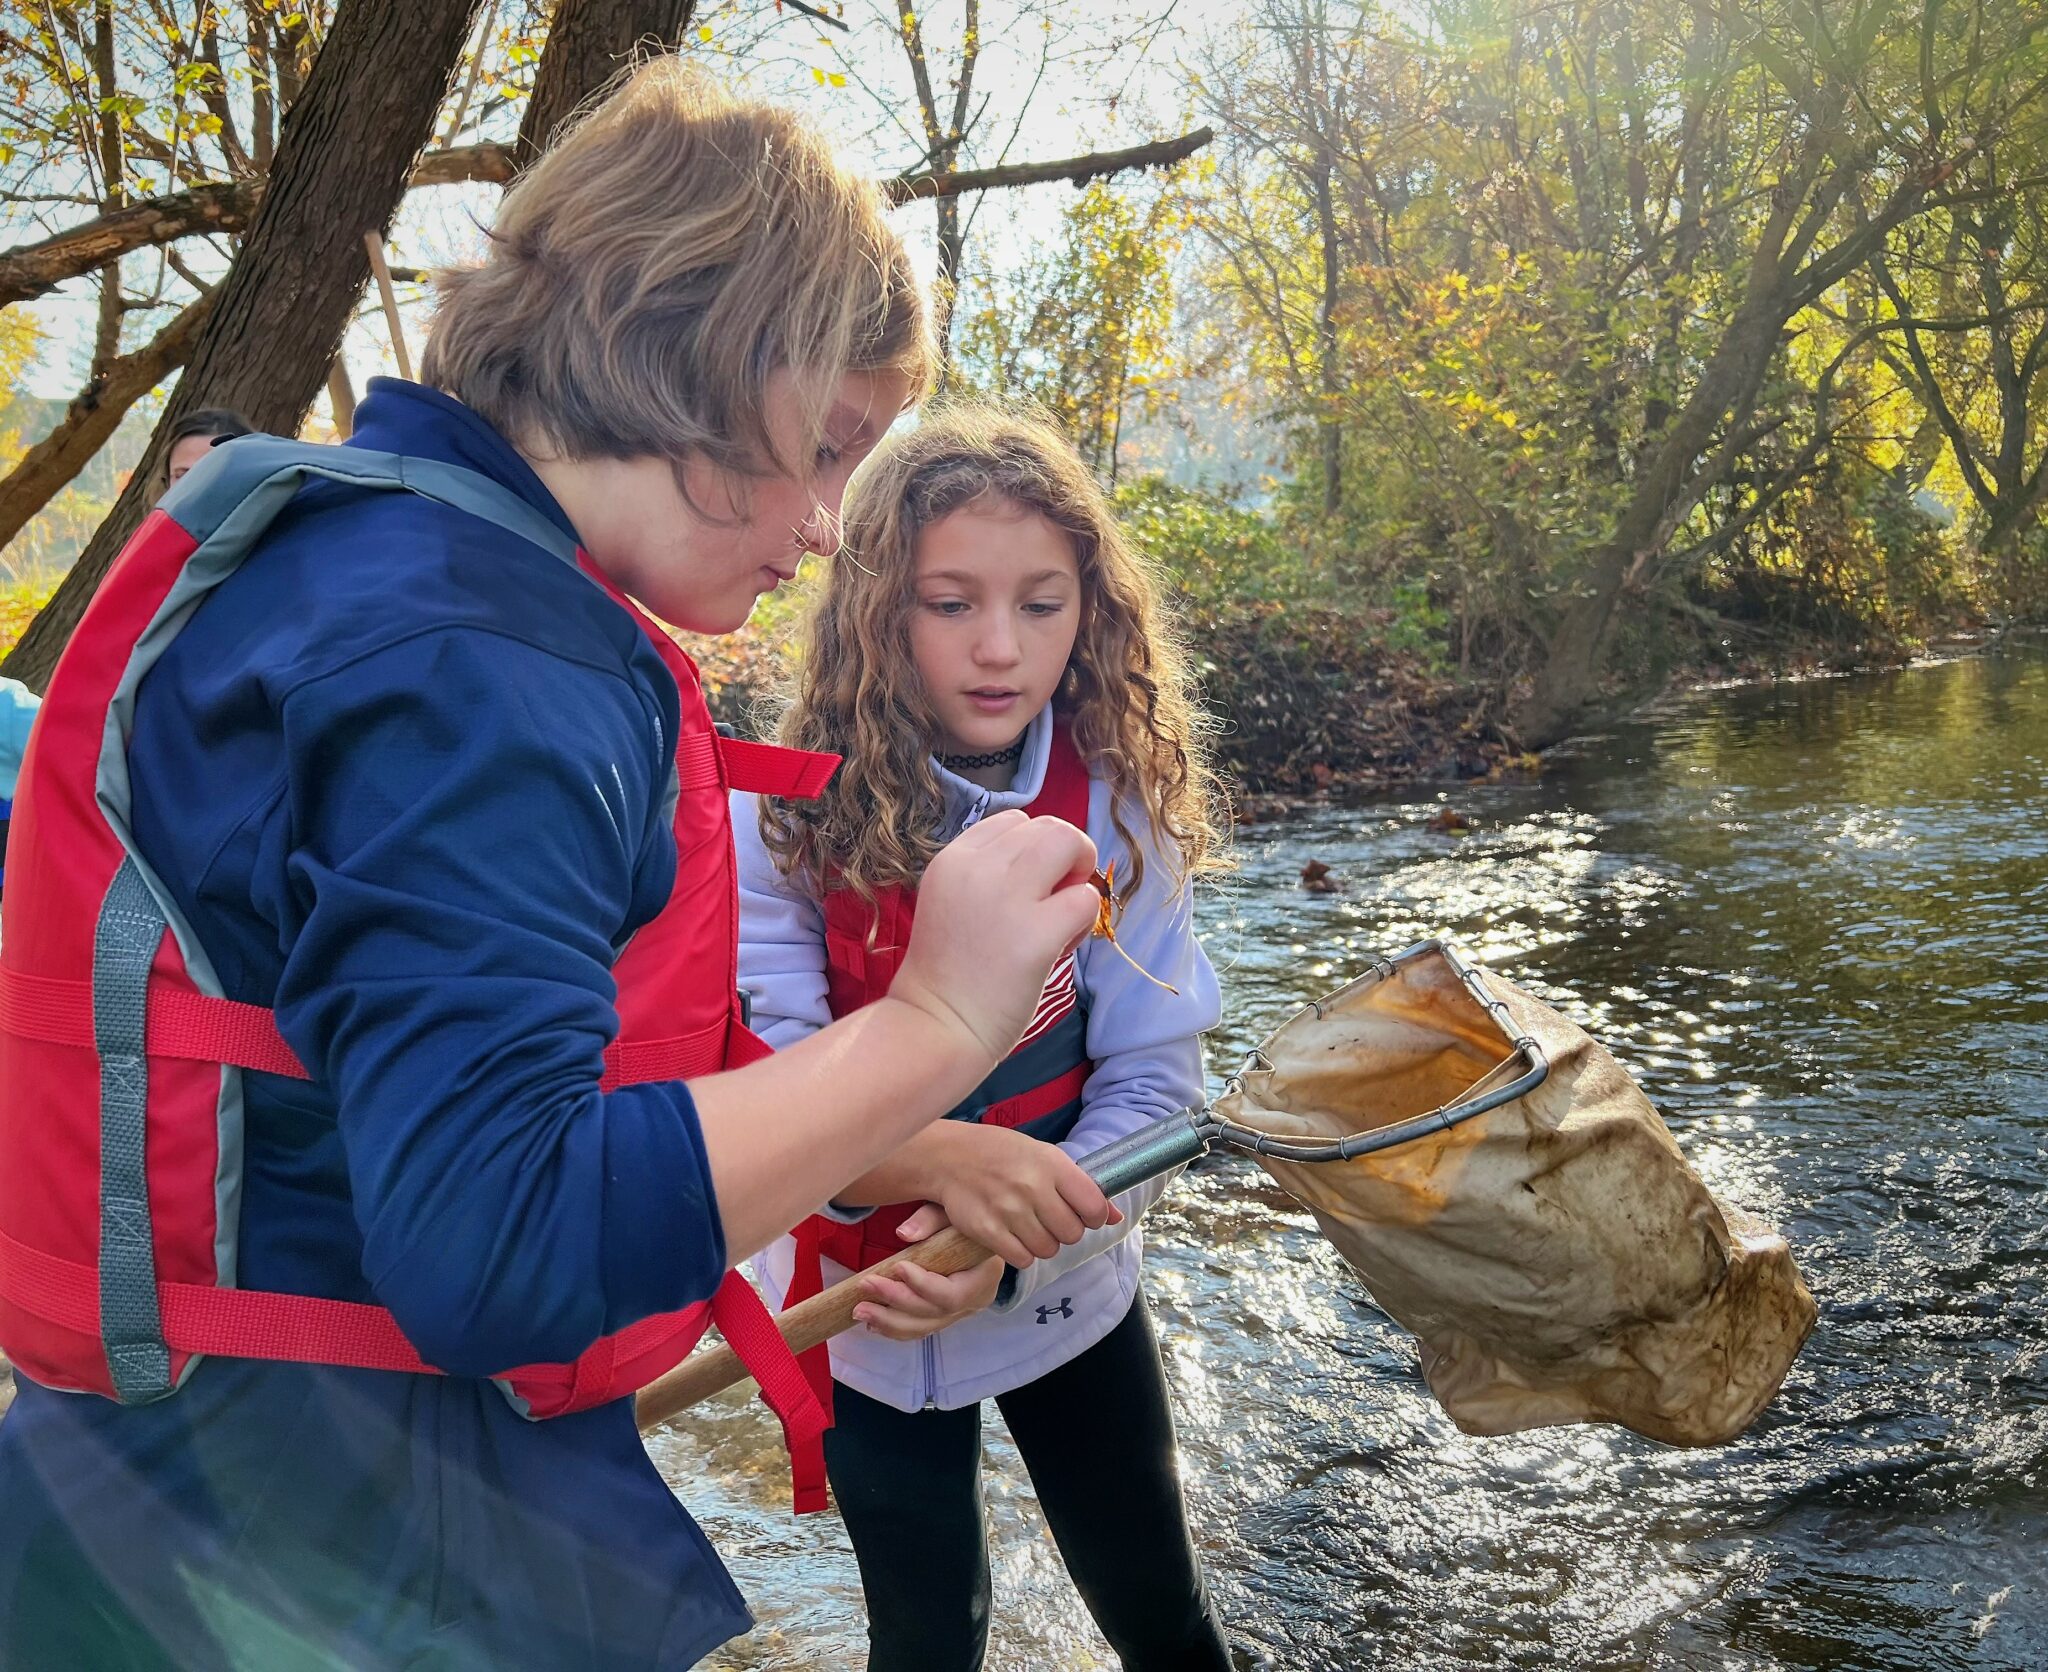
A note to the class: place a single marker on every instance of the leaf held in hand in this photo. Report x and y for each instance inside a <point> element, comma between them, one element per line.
<point>1105,924</point>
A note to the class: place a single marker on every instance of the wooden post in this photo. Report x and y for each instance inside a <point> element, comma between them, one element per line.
<point>375,245</point>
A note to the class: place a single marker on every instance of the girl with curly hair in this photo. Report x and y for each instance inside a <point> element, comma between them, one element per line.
<point>989,641</point>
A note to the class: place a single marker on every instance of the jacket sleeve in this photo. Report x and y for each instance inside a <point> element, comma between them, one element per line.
<point>476,827</point>
<point>1145,1042</point>
<point>782,951</point>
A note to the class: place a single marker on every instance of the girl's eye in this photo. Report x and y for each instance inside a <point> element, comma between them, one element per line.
<point>946,606</point>
<point>1045,607</point>
<point>829,455</point>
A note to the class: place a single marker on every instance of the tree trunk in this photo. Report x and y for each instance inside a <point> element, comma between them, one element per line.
<point>347,146</point>
<point>2016,512</point>
<point>952,251</point>
<point>1784,275</point>
<point>1329,373</point>
<point>590,41</point>
<point>1576,656</point>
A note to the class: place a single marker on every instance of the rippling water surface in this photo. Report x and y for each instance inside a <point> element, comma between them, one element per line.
<point>1814,921</point>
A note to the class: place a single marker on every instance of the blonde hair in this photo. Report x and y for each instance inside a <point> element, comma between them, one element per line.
<point>1126,695</point>
<point>649,274</point>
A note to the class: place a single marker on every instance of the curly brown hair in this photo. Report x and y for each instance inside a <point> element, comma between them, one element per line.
<point>1127,694</point>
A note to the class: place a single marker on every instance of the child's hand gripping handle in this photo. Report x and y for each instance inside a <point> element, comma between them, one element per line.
<point>1148,1152</point>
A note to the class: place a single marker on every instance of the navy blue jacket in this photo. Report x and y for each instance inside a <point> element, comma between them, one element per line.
<point>404,774</point>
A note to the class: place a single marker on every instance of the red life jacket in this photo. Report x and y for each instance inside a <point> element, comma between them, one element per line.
<point>1036,1089</point>
<point>120,1057</point>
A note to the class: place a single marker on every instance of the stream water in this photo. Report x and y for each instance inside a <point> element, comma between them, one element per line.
<point>1813,919</point>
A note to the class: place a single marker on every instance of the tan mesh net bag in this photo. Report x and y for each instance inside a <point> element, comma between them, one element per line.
<point>1554,1254</point>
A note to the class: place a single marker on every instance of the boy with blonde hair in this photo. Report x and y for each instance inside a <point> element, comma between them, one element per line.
<point>417,831</point>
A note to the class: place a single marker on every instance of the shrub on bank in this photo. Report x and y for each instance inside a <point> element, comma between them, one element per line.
<point>1304,696</point>
<point>19,602</point>
<point>1307,696</point>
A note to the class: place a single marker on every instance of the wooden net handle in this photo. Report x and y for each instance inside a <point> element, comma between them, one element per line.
<point>803,1326</point>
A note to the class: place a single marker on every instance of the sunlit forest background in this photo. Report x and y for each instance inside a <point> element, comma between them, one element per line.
<point>1499,359</point>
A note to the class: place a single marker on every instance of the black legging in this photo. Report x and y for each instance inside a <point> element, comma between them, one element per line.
<point>1097,1436</point>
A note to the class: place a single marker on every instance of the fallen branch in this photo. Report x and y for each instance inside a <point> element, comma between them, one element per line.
<point>373,244</point>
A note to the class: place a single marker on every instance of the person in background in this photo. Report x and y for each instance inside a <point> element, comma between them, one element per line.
<point>194,436</point>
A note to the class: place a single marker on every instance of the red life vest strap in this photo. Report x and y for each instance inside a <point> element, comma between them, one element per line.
<point>787,1388</point>
<point>1027,1106</point>
<point>182,1023</point>
<point>807,1464</point>
<point>770,769</point>
<point>199,1318</point>
<point>711,760</point>
<point>196,1027</point>
<point>305,1329</point>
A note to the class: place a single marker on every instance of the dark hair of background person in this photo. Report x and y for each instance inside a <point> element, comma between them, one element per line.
<point>219,422</point>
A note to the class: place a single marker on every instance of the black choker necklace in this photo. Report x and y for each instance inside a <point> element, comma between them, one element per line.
<point>975,763</point>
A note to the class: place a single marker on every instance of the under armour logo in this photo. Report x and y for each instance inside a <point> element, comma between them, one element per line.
<point>1065,1309</point>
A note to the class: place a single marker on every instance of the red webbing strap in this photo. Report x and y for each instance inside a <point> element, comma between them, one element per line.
<point>198,1028</point>
<point>640,1062</point>
<point>770,769</point>
<point>198,1318</point>
<point>298,1329</point>
<point>697,761</point>
<point>60,1292</point>
<point>182,1023</point>
<point>746,1046</point>
<point>790,1393</point>
<point>807,1462</point>
<point>590,1380</point>
<point>1027,1106</point>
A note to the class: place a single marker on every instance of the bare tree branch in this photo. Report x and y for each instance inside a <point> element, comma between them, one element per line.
<point>42,472</point>
<point>35,269</point>
<point>1096,165</point>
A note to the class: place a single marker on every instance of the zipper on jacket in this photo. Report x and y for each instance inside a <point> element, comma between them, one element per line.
<point>928,1372</point>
